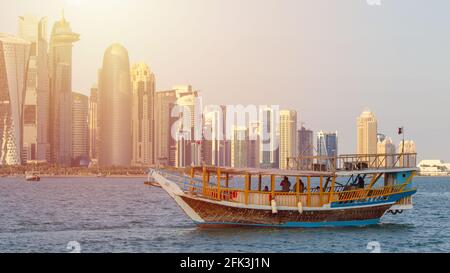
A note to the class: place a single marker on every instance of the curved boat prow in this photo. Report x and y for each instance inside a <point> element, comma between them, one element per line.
<point>176,193</point>
<point>170,187</point>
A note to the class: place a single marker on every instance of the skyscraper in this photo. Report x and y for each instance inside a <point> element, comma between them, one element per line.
<point>327,146</point>
<point>239,147</point>
<point>305,146</point>
<point>213,146</point>
<point>268,147</point>
<point>93,122</point>
<point>60,67</point>
<point>408,148</point>
<point>188,128</point>
<point>182,154</point>
<point>305,142</point>
<point>115,103</point>
<point>143,82</point>
<point>367,133</point>
<point>14,58</point>
<point>387,148</point>
<point>288,136</point>
<point>80,132</point>
<point>253,144</point>
<point>163,103</point>
<point>36,110</point>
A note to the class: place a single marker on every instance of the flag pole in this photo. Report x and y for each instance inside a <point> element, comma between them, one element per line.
<point>403,145</point>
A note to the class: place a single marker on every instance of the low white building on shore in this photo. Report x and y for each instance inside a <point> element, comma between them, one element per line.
<point>434,168</point>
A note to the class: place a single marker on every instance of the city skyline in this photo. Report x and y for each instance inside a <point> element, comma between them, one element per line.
<point>127,95</point>
<point>369,92</point>
<point>224,126</point>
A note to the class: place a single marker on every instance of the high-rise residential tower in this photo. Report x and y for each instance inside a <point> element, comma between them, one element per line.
<point>327,147</point>
<point>239,147</point>
<point>60,67</point>
<point>93,122</point>
<point>143,83</point>
<point>115,103</point>
<point>14,58</point>
<point>288,136</point>
<point>305,142</point>
<point>80,132</point>
<point>253,144</point>
<point>188,129</point>
<point>36,110</point>
<point>387,148</point>
<point>163,103</point>
<point>268,146</point>
<point>367,133</point>
<point>305,146</point>
<point>214,143</point>
<point>408,151</point>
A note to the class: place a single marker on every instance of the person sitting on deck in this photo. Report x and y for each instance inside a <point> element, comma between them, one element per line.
<point>285,184</point>
<point>301,186</point>
<point>361,182</point>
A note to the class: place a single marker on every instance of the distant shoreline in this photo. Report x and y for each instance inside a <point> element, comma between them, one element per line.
<point>432,175</point>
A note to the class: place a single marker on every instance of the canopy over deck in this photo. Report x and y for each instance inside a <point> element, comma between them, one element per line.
<point>257,171</point>
<point>355,163</point>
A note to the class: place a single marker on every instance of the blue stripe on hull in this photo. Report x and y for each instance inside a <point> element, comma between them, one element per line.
<point>390,199</point>
<point>354,223</point>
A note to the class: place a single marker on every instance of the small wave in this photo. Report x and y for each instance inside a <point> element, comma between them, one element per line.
<point>434,194</point>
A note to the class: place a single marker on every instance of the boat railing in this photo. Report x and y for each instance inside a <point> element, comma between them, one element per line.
<point>353,162</point>
<point>291,199</point>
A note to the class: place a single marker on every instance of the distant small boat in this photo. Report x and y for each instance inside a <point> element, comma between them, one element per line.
<point>101,175</point>
<point>32,177</point>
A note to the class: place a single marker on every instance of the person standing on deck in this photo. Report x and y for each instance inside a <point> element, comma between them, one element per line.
<point>361,182</point>
<point>301,186</point>
<point>285,184</point>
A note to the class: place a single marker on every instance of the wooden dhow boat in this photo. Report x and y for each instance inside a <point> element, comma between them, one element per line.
<point>349,190</point>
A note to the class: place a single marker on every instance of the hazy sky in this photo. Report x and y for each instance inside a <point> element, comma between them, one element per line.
<point>327,59</point>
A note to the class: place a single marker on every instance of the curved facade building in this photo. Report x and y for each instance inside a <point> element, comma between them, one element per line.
<point>14,57</point>
<point>115,104</point>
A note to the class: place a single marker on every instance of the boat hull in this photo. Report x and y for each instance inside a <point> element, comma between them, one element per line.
<point>213,213</point>
<point>33,179</point>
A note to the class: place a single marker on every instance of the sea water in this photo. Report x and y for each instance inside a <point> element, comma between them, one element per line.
<point>124,215</point>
